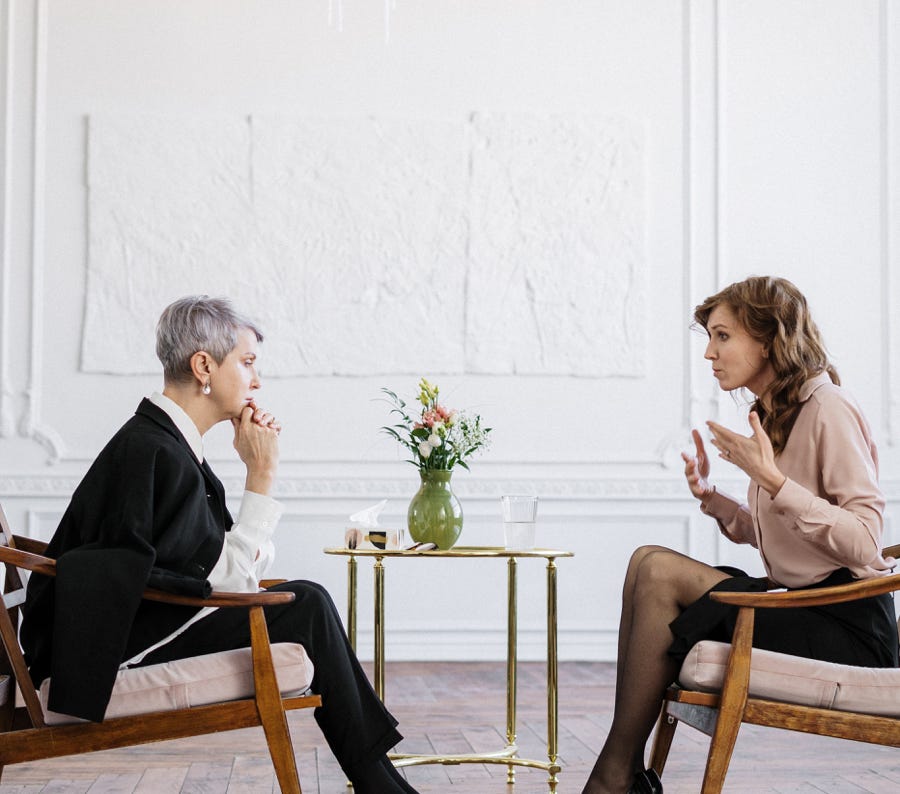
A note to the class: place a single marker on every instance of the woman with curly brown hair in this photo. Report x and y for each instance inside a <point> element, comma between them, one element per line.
<point>814,511</point>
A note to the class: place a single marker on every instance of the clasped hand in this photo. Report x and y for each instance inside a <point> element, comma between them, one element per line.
<point>256,441</point>
<point>752,454</point>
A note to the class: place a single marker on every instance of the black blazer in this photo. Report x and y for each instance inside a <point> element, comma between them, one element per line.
<point>147,513</point>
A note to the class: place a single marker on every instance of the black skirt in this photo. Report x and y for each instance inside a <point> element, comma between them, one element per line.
<point>861,633</point>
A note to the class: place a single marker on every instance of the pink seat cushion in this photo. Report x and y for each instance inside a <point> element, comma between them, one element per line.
<point>792,679</point>
<point>197,681</point>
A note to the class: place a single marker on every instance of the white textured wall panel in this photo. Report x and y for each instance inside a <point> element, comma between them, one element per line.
<point>556,283</point>
<point>361,243</point>
<point>501,244</point>
<point>169,214</point>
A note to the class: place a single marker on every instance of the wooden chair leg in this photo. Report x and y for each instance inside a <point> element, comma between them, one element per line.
<point>270,707</point>
<point>662,740</point>
<point>720,749</point>
<point>731,705</point>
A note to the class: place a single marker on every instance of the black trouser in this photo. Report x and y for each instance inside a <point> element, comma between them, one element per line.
<point>354,721</point>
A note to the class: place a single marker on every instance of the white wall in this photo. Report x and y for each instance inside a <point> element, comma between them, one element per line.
<point>520,200</point>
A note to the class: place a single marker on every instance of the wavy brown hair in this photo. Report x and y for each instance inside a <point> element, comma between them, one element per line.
<point>774,312</point>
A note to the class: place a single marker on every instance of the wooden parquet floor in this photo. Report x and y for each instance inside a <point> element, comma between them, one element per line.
<point>459,707</point>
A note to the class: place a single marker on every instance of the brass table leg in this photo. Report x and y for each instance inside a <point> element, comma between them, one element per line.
<point>351,610</point>
<point>379,627</point>
<point>552,677</point>
<point>351,601</point>
<point>511,659</point>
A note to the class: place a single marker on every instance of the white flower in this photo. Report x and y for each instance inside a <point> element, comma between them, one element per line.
<point>435,440</point>
<point>424,449</point>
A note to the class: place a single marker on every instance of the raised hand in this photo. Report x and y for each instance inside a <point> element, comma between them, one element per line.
<point>752,454</point>
<point>696,468</point>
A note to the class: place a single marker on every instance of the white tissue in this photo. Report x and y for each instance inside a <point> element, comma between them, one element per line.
<point>368,517</point>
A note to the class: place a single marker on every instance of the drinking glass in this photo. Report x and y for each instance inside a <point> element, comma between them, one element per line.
<point>519,514</point>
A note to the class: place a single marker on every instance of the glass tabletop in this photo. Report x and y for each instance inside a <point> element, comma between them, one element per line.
<point>456,551</point>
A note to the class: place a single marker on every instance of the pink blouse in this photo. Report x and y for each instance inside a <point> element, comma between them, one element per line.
<point>829,512</point>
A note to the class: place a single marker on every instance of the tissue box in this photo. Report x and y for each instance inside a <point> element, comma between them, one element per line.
<point>374,538</point>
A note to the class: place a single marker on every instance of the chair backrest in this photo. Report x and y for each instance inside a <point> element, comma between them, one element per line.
<point>893,551</point>
<point>12,662</point>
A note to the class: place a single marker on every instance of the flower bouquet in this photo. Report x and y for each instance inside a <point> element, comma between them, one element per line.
<point>438,439</point>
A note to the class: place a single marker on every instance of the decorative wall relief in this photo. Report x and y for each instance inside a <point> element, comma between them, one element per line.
<point>555,277</point>
<point>169,213</point>
<point>493,244</point>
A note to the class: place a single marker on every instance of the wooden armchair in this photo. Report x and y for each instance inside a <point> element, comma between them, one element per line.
<point>723,685</point>
<point>178,703</point>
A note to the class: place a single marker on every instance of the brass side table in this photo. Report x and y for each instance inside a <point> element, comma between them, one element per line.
<point>509,754</point>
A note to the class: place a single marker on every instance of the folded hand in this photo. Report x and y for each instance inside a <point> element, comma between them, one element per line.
<point>256,441</point>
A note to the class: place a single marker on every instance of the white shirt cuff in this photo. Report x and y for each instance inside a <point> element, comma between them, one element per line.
<point>259,515</point>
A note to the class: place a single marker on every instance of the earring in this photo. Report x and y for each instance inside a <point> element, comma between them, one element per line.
<point>206,388</point>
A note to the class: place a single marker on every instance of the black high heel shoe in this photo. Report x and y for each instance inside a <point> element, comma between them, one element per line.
<point>646,782</point>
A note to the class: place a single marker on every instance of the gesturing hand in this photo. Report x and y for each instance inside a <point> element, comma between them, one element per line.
<point>696,468</point>
<point>256,441</point>
<point>752,454</point>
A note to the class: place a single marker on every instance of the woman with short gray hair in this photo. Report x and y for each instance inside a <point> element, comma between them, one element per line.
<point>150,512</point>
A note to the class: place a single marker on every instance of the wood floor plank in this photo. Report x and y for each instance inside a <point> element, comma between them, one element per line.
<point>112,783</point>
<point>164,780</point>
<point>66,787</point>
<point>487,740</point>
<point>876,783</point>
<point>208,777</point>
<point>252,775</point>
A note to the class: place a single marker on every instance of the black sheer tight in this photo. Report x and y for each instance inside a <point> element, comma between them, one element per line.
<point>659,583</point>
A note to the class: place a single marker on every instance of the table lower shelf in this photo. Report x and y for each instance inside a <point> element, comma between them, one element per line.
<point>507,757</point>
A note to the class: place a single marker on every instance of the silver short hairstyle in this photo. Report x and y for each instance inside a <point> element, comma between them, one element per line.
<point>197,323</point>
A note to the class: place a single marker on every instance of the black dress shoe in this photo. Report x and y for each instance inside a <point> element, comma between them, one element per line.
<point>646,782</point>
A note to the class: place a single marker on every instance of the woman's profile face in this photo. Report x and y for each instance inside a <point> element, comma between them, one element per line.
<point>738,360</point>
<point>233,382</point>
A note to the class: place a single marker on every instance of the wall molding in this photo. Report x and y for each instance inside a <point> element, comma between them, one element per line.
<point>300,487</point>
<point>32,426</point>
<point>24,48</point>
<point>702,187</point>
<point>6,191</point>
<point>888,73</point>
<point>464,645</point>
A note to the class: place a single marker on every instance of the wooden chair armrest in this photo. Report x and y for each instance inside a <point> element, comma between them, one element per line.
<point>265,584</point>
<point>33,545</point>
<point>27,560</point>
<point>891,551</point>
<point>814,597</point>
<point>221,599</point>
<point>47,566</point>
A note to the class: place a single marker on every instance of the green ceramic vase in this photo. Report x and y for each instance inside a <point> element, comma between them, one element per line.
<point>435,514</point>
